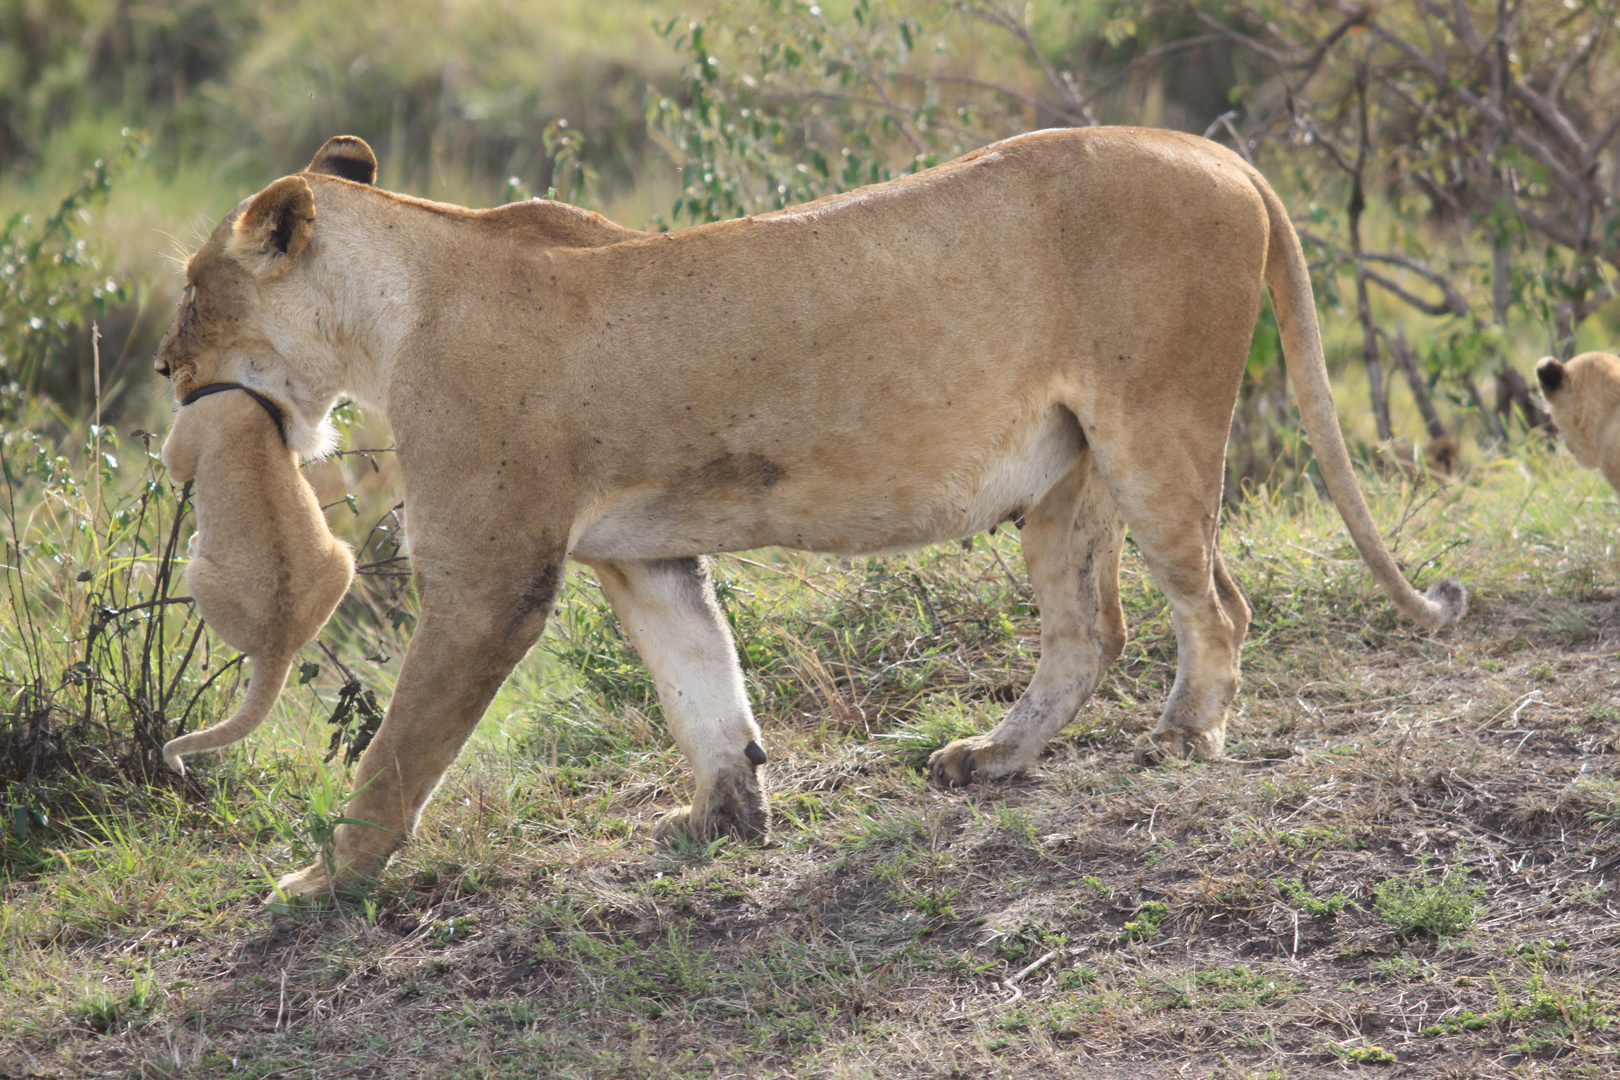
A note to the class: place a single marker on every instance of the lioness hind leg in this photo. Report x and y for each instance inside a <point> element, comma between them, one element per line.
<point>1232,601</point>
<point>669,611</point>
<point>1071,544</point>
<point>1172,513</point>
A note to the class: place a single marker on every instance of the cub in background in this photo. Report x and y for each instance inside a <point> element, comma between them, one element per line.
<point>265,570</point>
<point>1584,397</point>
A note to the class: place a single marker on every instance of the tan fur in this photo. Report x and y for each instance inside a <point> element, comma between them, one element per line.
<point>1053,327</point>
<point>275,229</point>
<point>265,570</point>
<point>1584,399</point>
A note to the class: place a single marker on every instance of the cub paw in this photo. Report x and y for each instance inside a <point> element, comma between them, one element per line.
<point>977,757</point>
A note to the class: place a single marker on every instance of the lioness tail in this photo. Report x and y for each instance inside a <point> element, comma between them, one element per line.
<point>1289,282</point>
<point>269,676</point>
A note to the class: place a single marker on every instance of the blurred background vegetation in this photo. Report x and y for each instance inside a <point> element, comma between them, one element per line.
<point>1453,167</point>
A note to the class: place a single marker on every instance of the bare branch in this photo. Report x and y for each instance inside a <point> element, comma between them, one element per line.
<point>1462,24</point>
<point>1581,309</point>
<point>1445,307</point>
<point>1595,147</point>
<point>1395,258</point>
<point>1252,44</point>
<point>1225,121</point>
<point>1015,26</point>
<point>1322,139</point>
<point>1583,49</point>
<point>1147,59</point>
<point>1549,115</point>
<point>1436,70</point>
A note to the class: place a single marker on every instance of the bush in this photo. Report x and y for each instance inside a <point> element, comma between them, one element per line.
<point>51,280</point>
<point>1419,905</point>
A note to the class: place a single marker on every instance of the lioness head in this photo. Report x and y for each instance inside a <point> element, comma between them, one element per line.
<point>250,311</point>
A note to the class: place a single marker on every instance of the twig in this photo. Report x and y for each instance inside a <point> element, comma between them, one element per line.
<point>1036,966</point>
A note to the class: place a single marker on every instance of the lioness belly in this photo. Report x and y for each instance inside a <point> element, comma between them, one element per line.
<point>747,501</point>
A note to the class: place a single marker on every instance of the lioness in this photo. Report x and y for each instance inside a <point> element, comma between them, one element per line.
<point>265,569</point>
<point>1584,398</point>
<point>1053,326</point>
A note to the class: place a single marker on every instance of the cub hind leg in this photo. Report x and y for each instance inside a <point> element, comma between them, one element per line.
<point>1071,541</point>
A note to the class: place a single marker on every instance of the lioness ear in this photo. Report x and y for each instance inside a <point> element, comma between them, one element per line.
<point>1550,373</point>
<point>347,157</point>
<point>274,228</point>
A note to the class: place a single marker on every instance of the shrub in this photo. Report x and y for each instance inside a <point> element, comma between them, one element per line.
<point>51,280</point>
<point>1418,905</point>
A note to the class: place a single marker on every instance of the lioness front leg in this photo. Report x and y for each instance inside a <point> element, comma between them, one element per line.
<point>1071,542</point>
<point>669,611</point>
<point>474,628</point>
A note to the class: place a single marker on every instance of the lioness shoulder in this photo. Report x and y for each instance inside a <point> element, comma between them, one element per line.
<point>1584,397</point>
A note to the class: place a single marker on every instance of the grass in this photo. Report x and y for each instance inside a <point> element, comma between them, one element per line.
<point>1407,860</point>
<point>1417,904</point>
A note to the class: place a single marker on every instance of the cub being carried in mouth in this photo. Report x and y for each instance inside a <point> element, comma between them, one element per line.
<point>265,570</point>
<point>1584,397</point>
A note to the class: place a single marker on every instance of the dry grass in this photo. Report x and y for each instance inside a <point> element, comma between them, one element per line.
<point>1273,915</point>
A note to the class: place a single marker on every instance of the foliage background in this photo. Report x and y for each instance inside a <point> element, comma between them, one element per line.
<point>1453,166</point>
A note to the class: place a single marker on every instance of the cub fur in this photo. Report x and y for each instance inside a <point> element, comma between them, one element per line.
<point>1584,398</point>
<point>265,570</point>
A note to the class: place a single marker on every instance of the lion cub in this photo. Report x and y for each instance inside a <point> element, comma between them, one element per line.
<point>1584,396</point>
<point>265,570</point>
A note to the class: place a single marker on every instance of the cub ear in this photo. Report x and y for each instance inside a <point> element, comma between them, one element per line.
<point>275,227</point>
<point>346,157</point>
<point>1550,373</point>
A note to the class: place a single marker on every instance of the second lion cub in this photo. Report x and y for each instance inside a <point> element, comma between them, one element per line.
<point>1584,396</point>
<point>265,570</point>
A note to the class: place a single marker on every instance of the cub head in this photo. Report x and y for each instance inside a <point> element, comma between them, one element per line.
<point>252,308</point>
<point>1583,397</point>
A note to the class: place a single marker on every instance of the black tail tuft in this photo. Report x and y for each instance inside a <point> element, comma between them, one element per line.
<point>1452,599</point>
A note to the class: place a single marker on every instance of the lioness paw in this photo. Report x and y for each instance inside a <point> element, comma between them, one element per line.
<point>977,757</point>
<point>735,807</point>
<point>311,880</point>
<point>1157,747</point>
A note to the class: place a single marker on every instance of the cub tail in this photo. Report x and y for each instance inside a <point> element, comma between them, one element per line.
<point>269,676</point>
